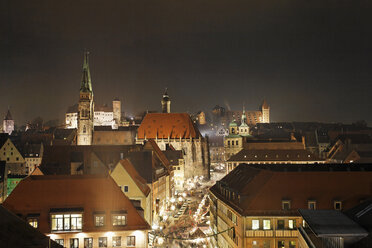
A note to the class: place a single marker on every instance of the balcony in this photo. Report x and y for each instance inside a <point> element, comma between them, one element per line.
<point>286,233</point>
<point>259,233</point>
<point>270,233</point>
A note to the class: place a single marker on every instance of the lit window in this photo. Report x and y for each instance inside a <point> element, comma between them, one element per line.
<point>66,222</point>
<point>281,244</point>
<point>286,205</point>
<point>88,242</point>
<point>116,241</point>
<point>266,224</point>
<point>33,222</point>
<point>60,241</point>
<point>292,244</point>
<point>255,244</point>
<point>292,224</point>
<point>255,224</point>
<point>131,241</point>
<point>119,220</point>
<point>311,205</point>
<point>74,243</point>
<point>102,242</point>
<point>337,205</point>
<point>99,220</point>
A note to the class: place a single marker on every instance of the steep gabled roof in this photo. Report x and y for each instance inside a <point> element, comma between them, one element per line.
<point>88,192</point>
<point>160,155</point>
<point>3,138</point>
<point>132,172</point>
<point>261,188</point>
<point>15,232</point>
<point>164,125</point>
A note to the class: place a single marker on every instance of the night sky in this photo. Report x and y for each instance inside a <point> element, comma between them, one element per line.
<point>311,60</point>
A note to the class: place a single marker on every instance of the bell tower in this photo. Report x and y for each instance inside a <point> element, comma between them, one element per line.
<point>86,107</point>
<point>265,109</point>
<point>8,123</point>
<point>165,102</point>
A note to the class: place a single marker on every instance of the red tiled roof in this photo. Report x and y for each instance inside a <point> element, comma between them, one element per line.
<point>263,189</point>
<point>140,181</point>
<point>40,194</point>
<point>164,125</point>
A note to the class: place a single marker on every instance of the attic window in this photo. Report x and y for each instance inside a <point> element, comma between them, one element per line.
<point>337,205</point>
<point>286,204</point>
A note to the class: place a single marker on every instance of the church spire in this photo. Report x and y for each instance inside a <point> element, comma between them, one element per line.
<point>86,83</point>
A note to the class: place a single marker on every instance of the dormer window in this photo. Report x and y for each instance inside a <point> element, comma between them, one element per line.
<point>66,221</point>
<point>119,219</point>
<point>311,204</point>
<point>286,204</point>
<point>33,221</point>
<point>99,219</point>
<point>337,205</point>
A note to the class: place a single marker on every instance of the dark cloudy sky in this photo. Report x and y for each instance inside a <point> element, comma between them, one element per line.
<point>310,59</point>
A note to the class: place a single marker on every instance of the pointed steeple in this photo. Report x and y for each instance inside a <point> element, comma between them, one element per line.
<point>264,105</point>
<point>165,95</point>
<point>86,83</point>
<point>244,117</point>
<point>8,116</point>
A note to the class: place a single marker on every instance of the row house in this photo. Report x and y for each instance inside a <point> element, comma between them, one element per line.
<point>79,211</point>
<point>257,205</point>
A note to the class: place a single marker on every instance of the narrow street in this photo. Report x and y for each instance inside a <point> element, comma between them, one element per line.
<point>188,223</point>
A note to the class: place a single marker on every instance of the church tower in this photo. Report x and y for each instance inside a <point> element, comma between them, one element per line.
<point>165,102</point>
<point>8,123</point>
<point>265,108</point>
<point>116,109</point>
<point>244,128</point>
<point>86,107</point>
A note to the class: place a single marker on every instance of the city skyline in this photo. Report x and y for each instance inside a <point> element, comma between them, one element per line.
<point>309,60</point>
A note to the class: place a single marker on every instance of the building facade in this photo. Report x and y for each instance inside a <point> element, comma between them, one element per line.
<point>177,130</point>
<point>79,211</point>
<point>257,206</point>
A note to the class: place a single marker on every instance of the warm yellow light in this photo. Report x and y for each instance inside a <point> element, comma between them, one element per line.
<point>52,236</point>
<point>160,241</point>
<point>81,235</point>
<point>110,234</point>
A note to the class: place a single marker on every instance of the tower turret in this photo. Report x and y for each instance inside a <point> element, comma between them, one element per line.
<point>165,102</point>
<point>8,123</point>
<point>116,109</point>
<point>244,128</point>
<point>86,107</point>
<point>265,109</point>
